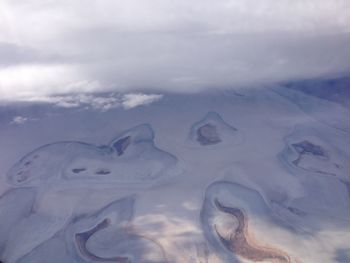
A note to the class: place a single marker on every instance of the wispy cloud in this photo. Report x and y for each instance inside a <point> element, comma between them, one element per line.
<point>102,103</point>
<point>19,120</point>
<point>94,101</point>
<point>137,99</point>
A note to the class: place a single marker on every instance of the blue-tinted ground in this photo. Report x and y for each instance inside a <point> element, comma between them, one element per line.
<point>202,177</point>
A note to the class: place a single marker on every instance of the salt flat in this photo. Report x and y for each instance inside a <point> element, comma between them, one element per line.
<point>259,175</point>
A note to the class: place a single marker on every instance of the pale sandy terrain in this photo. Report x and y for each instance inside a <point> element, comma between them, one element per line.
<point>255,176</point>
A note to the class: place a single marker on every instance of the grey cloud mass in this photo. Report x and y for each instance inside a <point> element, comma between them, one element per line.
<point>58,47</point>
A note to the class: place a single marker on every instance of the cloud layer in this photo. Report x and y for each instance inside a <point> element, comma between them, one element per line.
<point>57,47</point>
<point>96,101</point>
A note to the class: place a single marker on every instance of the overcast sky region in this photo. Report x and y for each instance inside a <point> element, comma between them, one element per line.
<point>60,47</point>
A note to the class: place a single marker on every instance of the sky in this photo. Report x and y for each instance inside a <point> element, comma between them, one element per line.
<point>142,49</point>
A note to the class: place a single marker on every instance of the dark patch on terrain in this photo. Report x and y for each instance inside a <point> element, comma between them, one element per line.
<point>122,144</point>
<point>78,170</point>
<point>103,172</point>
<point>208,135</point>
<point>306,147</point>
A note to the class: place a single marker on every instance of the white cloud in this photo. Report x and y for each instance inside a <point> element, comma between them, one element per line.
<point>137,99</point>
<point>29,81</point>
<point>96,102</point>
<point>103,102</point>
<point>19,120</point>
<point>57,47</point>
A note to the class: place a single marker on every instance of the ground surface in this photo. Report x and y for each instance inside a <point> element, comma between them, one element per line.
<point>260,175</point>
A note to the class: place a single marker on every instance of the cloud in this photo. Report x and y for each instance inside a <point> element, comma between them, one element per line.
<point>94,101</point>
<point>29,81</point>
<point>59,47</point>
<point>19,120</point>
<point>137,99</point>
<point>102,103</point>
